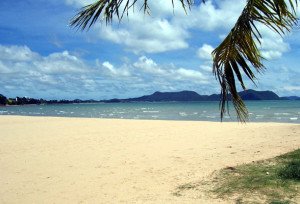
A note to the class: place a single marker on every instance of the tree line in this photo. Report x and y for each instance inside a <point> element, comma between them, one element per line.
<point>32,101</point>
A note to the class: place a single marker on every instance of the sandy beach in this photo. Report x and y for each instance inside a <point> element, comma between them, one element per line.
<point>81,160</point>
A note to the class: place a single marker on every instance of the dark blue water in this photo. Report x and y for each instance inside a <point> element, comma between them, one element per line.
<point>260,111</point>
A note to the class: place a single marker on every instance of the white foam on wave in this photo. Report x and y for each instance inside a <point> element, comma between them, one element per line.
<point>282,114</point>
<point>295,118</point>
<point>150,111</point>
<point>183,114</point>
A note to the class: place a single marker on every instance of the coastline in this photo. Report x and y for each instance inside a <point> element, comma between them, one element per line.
<point>259,111</point>
<point>67,160</point>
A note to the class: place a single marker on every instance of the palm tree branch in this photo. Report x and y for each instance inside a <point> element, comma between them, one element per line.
<point>239,48</point>
<point>89,14</point>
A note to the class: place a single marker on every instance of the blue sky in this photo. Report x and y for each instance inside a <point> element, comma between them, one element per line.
<point>41,56</point>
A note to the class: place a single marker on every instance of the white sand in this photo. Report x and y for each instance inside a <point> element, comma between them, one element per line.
<point>77,160</point>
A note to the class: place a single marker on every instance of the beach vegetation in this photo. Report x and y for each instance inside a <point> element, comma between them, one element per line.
<point>3,100</point>
<point>269,181</point>
<point>236,56</point>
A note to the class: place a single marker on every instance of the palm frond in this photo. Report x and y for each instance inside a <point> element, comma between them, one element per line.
<point>239,52</point>
<point>89,14</point>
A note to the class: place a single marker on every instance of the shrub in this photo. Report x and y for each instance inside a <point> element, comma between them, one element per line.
<point>291,171</point>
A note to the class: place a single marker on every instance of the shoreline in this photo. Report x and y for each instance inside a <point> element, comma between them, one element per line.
<point>88,160</point>
<point>146,119</point>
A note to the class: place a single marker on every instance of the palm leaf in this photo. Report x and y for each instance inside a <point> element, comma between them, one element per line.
<point>89,14</point>
<point>239,53</point>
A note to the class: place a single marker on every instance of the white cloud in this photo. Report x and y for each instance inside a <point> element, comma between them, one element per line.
<point>211,16</point>
<point>272,44</point>
<point>147,65</point>
<point>58,63</point>
<point>64,75</point>
<point>16,53</point>
<point>206,67</point>
<point>166,29</point>
<point>205,51</point>
<point>182,73</point>
<point>113,71</point>
<point>79,3</point>
<point>292,88</point>
<point>148,35</point>
<point>28,71</point>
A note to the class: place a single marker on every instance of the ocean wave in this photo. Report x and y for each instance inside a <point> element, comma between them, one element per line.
<point>294,118</point>
<point>282,114</point>
<point>150,111</point>
<point>183,114</point>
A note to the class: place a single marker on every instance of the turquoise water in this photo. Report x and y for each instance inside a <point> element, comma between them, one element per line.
<point>260,111</point>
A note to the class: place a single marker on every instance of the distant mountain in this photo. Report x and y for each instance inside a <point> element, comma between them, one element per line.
<point>258,95</point>
<point>155,97</point>
<point>290,98</point>
<point>194,96</point>
<point>170,96</point>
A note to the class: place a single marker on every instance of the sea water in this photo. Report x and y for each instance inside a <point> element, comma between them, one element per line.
<point>259,111</point>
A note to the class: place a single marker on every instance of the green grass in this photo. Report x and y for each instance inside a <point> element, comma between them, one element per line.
<point>275,181</point>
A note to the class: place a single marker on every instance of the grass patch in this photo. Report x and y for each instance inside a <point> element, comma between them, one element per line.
<point>273,181</point>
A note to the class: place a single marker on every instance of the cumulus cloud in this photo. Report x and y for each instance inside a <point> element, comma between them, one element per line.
<point>292,88</point>
<point>64,75</point>
<point>150,36</point>
<point>169,72</point>
<point>16,53</point>
<point>205,51</point>
<point>149,66</point>
<point>115,72</point>
<point>29,71</point>
<point>167,29</point>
